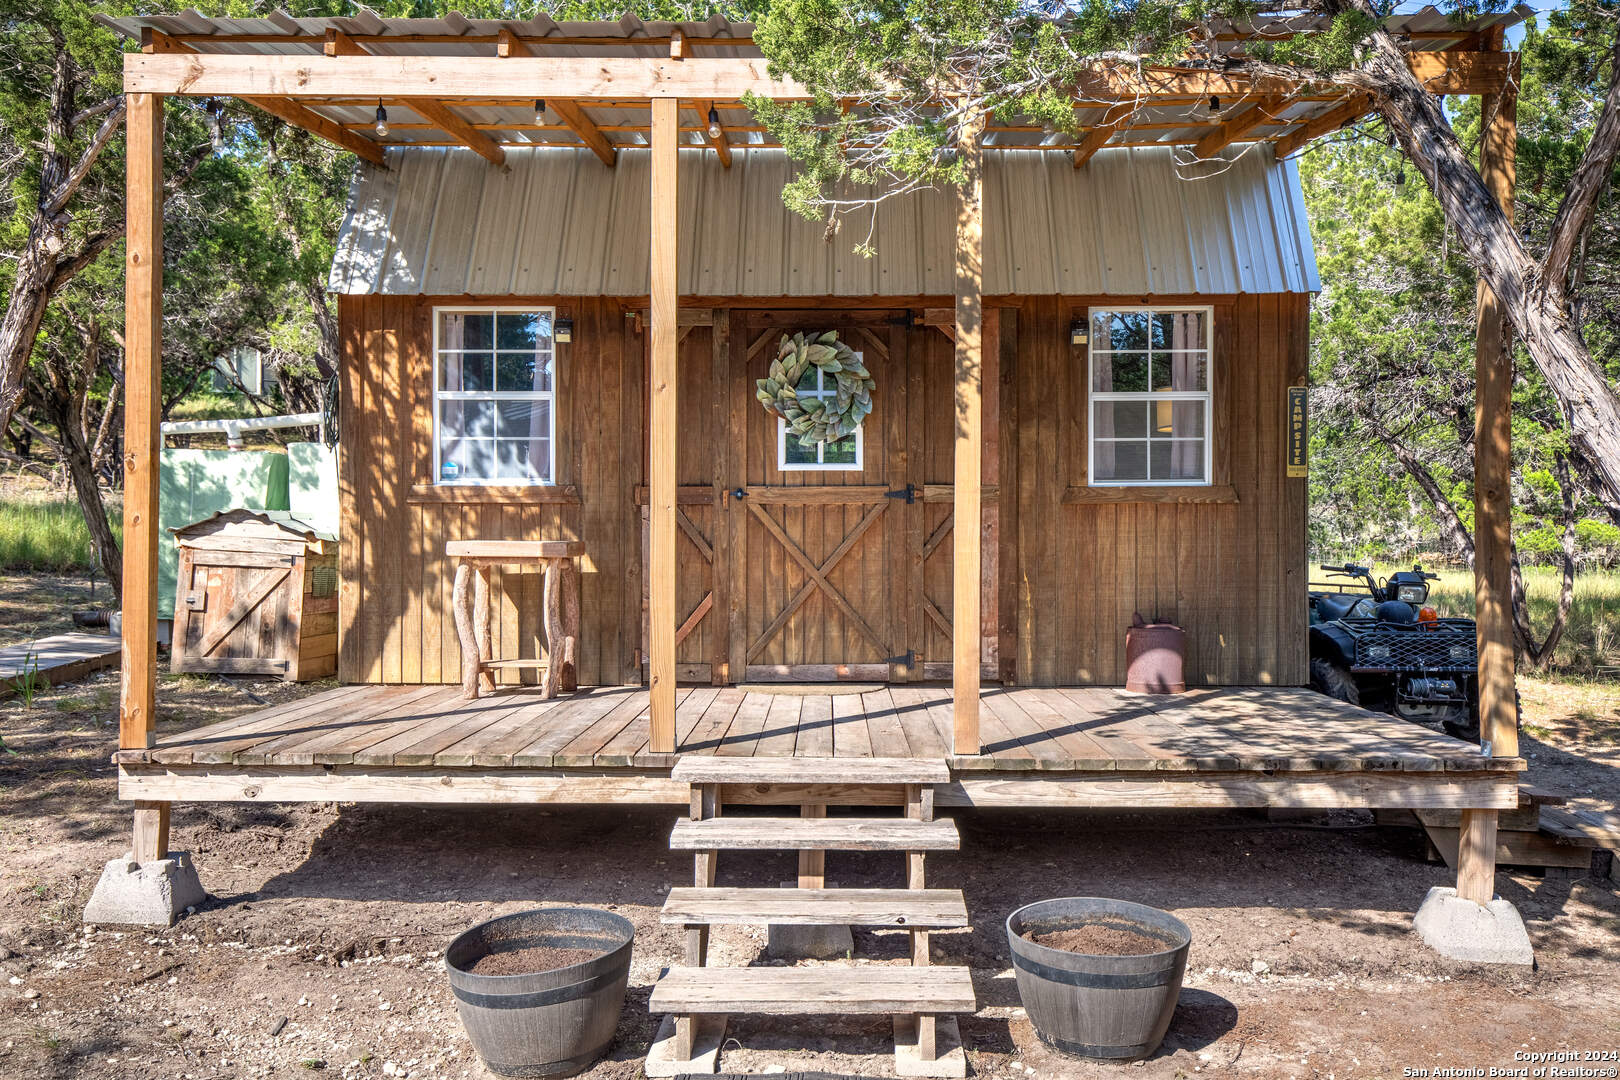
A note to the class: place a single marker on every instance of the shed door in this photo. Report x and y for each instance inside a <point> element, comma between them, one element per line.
<point>234,611</point>
<point>831,529</point>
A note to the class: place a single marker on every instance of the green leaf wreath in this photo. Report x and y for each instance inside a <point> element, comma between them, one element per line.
<point>817,419</point>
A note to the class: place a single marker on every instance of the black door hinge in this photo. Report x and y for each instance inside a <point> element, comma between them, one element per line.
<point>908,493</point>
<point>907,659</point>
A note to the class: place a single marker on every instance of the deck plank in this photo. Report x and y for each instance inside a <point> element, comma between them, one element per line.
<point>337,724</point>
<point>1027,730</point>
<point>705,737</point>
<point>582,713</point>
<point>743,734</point>
<point>216,743</point>
<point>781,730</point>
<point>911,705</point>
<point>850,736</point>
<point>815,735</point>
<point>883,725</point>
<point>496,743</point>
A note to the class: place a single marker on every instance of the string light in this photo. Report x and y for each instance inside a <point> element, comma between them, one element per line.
<point>216,136</point>
<point>382,121</point>
<point>714,123</point>
<point>1214,104</point>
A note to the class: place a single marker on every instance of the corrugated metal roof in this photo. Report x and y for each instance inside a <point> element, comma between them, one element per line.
<point>445,222</point>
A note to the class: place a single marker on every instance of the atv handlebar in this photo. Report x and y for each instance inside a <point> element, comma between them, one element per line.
<point>1347,570</point>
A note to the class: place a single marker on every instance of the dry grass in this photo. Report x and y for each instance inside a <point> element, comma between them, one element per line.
<point>1591,644</point>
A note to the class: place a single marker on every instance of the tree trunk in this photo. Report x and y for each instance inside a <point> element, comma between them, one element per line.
<point>1540,655</point>
<point>76,456</point>
<point>1541,316</point>
<point>1451,523</point>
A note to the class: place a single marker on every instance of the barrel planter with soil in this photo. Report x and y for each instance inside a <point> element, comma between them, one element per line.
<point>540,992</point>
<point>1098,978</point>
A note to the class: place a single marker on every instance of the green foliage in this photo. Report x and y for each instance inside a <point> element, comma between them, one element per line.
<point>45,534</point>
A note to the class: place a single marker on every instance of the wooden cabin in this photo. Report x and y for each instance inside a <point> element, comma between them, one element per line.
<point>565,264</point>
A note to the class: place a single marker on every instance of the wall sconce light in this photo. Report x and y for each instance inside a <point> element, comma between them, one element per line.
<point>1077,333</point>
<point>564,332</point>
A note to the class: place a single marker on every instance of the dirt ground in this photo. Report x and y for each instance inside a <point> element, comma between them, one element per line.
<point>319,950</point>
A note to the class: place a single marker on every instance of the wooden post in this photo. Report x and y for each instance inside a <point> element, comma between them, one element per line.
<point>661,390</point>
<point>143,370</point>
<point>143,363</point>
<point>966,536</point>
<point>1493,459</point>
<point>1476,856</point>
<point>1493,510</point>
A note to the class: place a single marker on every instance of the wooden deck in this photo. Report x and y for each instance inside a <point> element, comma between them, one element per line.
<point>55,660</point>
<point>1246,746</point>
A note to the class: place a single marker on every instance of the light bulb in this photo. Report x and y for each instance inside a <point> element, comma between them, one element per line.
<point>382,121</point>
<point>714,123</point>
<point>1214,103</point>
<point>539,112</point>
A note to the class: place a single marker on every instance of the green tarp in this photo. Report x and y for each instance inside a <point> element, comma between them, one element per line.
<point>197,483</point>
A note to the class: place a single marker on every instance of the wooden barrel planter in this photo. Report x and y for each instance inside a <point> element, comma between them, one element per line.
<point>1112,1007</point>
<point>542,1023</point>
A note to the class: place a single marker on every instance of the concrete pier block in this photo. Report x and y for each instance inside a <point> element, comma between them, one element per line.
<point>145,894</point>
<point>1479,933</point>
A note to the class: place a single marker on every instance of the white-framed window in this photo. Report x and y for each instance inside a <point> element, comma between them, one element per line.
<point>1150,400</point>
<point>844,455</point>
<point>494,395</point>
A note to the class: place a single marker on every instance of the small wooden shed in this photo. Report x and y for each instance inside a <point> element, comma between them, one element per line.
<point>256,593</point>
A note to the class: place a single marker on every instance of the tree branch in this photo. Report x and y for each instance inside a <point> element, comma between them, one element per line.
<point>87,160</point>
<point>1574,215</point>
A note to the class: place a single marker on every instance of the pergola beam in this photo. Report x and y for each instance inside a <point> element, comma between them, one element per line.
<point>706,78</point>
<point>1097,138</point>
<point>289,112</point>
<point>1328,122</point>
<point>510,45</point>
<point>1233,128</point>
<point>446,120</point>
<point>437,112</point>
<point>721,142</point>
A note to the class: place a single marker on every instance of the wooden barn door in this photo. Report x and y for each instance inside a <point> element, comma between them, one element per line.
<point>822,555</point>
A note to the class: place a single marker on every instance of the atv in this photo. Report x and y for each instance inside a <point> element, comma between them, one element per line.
<point>1381,646</point>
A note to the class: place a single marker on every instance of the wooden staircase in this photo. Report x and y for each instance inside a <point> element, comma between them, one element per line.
<point>923,999</point>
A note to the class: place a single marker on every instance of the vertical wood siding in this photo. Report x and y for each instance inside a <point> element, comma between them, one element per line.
<point>1071,575</point>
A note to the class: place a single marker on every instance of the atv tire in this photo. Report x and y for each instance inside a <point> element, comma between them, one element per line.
<point>1334,681</point>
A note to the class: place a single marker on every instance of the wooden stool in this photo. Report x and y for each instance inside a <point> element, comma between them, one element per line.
<point>472,612</point>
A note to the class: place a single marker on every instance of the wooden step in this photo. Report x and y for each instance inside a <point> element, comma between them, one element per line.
<point>922,908</point>
<point>813,834</point>
<point>791,991</point>
<point>705,769</point>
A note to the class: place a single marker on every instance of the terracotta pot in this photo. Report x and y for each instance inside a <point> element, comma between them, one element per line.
<point>1155,654</point>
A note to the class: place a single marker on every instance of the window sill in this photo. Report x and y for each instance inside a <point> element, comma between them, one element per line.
<point>1203,493</point>
<point>435,494</point>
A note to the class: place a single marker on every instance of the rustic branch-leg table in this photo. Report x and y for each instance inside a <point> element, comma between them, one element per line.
<point>475,620</point>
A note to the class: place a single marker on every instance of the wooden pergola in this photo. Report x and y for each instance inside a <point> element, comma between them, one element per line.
<point>493,86</point>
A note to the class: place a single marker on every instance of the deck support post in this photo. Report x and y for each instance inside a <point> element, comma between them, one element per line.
<point>1493,458</point>
<point>143,350</point>
<point>967,535</point>
<point>1493,509</point>
<point>152,885</point>
<point>662,425</point>
<point>143,360</point>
